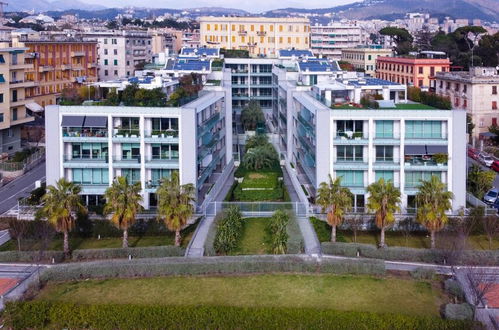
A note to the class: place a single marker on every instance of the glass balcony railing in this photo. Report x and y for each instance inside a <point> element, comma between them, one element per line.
<point>174,157</point>
<point>84,132</point>
<point>156,133</point>
<point>126,132</point>
<point>359,135</point>
<point>355,160</point>
<point>82,158</point>
<point>127,158</point>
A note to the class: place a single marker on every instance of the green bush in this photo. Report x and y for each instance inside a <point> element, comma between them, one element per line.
<point>423,273</point>
<point>229,230</point>
<point>144,252</point>
<point>458,311</point>
<point>277,228</point>
<point>454,288</point>
<point>31,256</point>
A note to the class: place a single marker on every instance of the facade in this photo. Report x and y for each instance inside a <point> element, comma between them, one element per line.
<point>259,35</point>
<point>475,91</point>
<point>168,39</point>
<point>364,58</point>
<point>413,71</point>
<point>362,145</point>
<point>57,64</point>
<point>93,145</point>
<point>329,40</point>
<point>13,101</point>
<point>121,52</point>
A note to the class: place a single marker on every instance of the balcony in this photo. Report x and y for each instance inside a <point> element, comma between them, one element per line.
<point>354,138</point>
<point>165,161</point>
<point>242,33</point>
<point>440,138</point>
<point>18,102</point>
<point>126,161</point>
<point>78,134</point>
<point>20,66</point>
<point>77,54</point>
<point>387,139</point>
<point>347,163</point>
<point>92,65</point>
<point>126,134</point>
<point>65,67</point>
<point>23,83</point>
<point>261,33</point>
<point>386,164</point>
<point>80,161</point>
<point>157,136</point>
<point>45,68</point>
<point>424,163</point>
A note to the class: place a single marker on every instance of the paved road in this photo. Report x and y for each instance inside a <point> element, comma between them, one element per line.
<point>20,187</point>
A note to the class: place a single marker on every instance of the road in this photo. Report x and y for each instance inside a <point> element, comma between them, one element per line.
<point>20,187</point>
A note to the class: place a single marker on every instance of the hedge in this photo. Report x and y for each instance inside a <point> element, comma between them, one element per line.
<point>208,265</point>
<point>44,314</point>
<point>489,257</point>
<point>422,273</point>
<point>31,256</point>
<point>454,288</point>
<point>144,252</point>
<point>458,311</point>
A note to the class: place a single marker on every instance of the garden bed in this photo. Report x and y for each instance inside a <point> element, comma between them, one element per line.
<point>264,186</point>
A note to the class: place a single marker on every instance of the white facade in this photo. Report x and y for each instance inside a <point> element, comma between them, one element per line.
<point>329,40</point>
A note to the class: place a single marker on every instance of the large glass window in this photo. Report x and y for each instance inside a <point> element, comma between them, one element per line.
<point>164,151</point>
<point>385,175</point>
<point>384,129</point>
<point>90,150</point>
<point>384,153</point>
<point>89,176</point>
<point>132,175</point>
<point>349,154</point>
<point>351,178</point>
<point>164,124</point>
<point>130,150</point>
<point>419,129</point>
<point>413,179</point>
<point>158,174</point>
<point>354,126</point>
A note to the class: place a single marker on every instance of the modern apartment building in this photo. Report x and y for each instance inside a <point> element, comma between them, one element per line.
<point>93,145</point>
<point>259,35</point>
<point>120,52</point>
<point>321,134</point>
<point>475,91</point>
<point>166,39</point>
<point>329,40</point>
<point>57,64</point>
<point>419,71</point>
<point>13,101</point>
<point>364,58</point>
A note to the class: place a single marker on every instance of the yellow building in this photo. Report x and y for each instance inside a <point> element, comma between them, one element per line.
<point>258,35</point>
<point>13,111</point>
<point>364,58</point>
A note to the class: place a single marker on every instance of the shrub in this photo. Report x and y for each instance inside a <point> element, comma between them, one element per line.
<point>277,227</point>
<point>458,311</point>
<point>31,256</point>
<point>454,288</point>
<point>145,252</point>
<point>42,314</point>
<point>423,273</point>
<point>229,230</point>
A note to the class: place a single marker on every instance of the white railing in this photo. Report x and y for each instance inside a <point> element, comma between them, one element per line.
<point>257,208</point>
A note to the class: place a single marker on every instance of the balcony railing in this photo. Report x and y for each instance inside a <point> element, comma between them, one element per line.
<point>84,132</point>
<point>350,135</point>
<point>422,161</point>
<point>134,159</point>
<point>82,158</point>
<point>156,133</point>
<point>173,157</point>
<point>126,132</point>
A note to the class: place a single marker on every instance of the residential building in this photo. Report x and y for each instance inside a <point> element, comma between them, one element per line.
<point>168,39</point>
<point>475,91</point>
<point>364,58</point>
<point>322,134</point>
<point>191,38</point>
<point>121,52</point>
<point>13,101</point>
<point>261,36</point>
<point>92,145</point>
<point>419,70</point>
<point>329,40</point>
<point>56,64</point>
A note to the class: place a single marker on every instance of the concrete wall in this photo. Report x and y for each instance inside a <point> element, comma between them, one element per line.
<point>457,160</point>
<point>53,142</point>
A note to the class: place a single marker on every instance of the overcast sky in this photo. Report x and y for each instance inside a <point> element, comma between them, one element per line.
<point>249,5</point>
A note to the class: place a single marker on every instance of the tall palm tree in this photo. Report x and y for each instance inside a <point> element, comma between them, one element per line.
<point>62,202</point>
<point>433,201</point>
<point>334,200</point>
<point>123,203</point>
<point>175,204</point>
<point>384,200</point>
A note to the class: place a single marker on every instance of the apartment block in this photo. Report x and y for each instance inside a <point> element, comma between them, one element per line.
<point>364,58</point>
<point>475,91</point>
<point>419,71</point>
<point>13,101</point>
<point>92,145</point>
<point>329,40</point>
<point>259,35</point>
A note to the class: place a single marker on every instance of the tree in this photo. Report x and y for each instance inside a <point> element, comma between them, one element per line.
<point>252,116</point>
<point>257,140</point>
<point>356,224</point>
<point>479,282</point>
<point>175,204</point>
<point>468,35</point>
<point>62,202</point>
<point>433,202</point>
<point>490,224</point>
<point>277,227</point>
<point>260,157</point>
<point>402,38</point>
<point>384,200</point>
<point>334,200</point>
<point>479,181</point>
<point>123,203</point>
<point>17,230</point>
<point>128,94</point>
<point>488,50</point>
<point>423,39</point>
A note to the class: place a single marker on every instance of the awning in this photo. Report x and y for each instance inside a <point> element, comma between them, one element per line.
<point>72,121</point>
<point>95,121</point>
<point>431,150</point>
<point>35,107</point>
<point>415,150</point>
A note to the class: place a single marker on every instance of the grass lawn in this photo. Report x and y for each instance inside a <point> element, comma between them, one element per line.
<point>255,237</point>
<point>259,186</point>
<point>415,240</point>
<point>345,293</point>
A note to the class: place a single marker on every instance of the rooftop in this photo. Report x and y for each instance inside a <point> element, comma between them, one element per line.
<point>318,65</point>
<point>372,82</point>
<point>186,51</point>
<point>295,52</point>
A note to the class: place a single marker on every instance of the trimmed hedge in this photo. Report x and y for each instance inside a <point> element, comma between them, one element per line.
<point>208,265</point>
<point>31,256</point>
<point>491,257</point>
<point>454,288</point>
<point>458,311</point>
<point>144,252</point>
<point>43,314</point>
<point>423,273</point>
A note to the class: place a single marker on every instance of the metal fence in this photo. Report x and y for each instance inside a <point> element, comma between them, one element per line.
<point>26,165</point>
<point>257,208</point>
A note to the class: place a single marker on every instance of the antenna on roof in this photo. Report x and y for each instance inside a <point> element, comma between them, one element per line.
<point>2,4</point>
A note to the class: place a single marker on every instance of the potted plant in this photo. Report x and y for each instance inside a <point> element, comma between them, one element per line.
<point>357,135</point>
<point>441,158</point>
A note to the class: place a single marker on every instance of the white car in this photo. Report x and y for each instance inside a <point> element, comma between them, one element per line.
<point>491,196</point>
<point>485,159</point>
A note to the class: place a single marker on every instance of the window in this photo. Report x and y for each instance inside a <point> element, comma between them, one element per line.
<point>90,150</point>
<point>355,126</point>
<point>432,71</point>
<point>349,154</point>
<point>91,176</point>
<point>494,121</point>
<point>413,179</point>
<point>385,175</point>
<point>1,98</point>
<point>2,59</point>
<point>494,90</point>
<point>1,117</point>
<point>419,129</point>
<point>115,52</point>
<point>10,133</point>
<point>132,175</point>
<point>105,41</point>
<point>384,129</point>
<point>115,62</point>
<point>465,104</point>
<point>115,72</point>
<point>106,62</point>
<point>384,153</point>
<point>351,178</point>
<point>420,83</point>
<point>158,174</point>
<point>2,79</point>
<point>465,88</point>
<point>106,73</point>
<point>14,114</point>
<point>369,57</point>
<point>420,70</point>
<point>494,105</point>
<point>114,41</point>
<point>105,51</point>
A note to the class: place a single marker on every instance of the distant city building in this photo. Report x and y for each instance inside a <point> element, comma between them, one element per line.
<point>329,40</point>
<point>259,35</point>
<point>476,91</point>
<point>364,58</point>
<point>168,39</point>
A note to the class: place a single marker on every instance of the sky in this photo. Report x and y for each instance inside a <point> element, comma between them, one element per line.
<point>249,5</point>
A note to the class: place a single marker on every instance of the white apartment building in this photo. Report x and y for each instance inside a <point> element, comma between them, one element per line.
<point>475,91</point>
<point>92,145</point>
<point>329,40</point>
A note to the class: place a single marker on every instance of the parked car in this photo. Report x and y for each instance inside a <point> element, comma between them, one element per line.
<point>496,205</point>
<point>495,165</point>
<point>473,153</point>
<point>485,159</point>
<point>491,196</point>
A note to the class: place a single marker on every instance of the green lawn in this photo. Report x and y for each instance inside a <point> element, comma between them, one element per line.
<point>259,186</point>
<point>255,237</point>
<point>415,240</point>
<point>345,293</point>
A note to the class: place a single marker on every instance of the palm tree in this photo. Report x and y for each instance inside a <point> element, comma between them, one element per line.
<point>433,201</point>
<point>175,204</point>
<point>260,157</point>
<point>384,200</point>
<point>62,202</point>
<point>123,203</point>
<point>334,200</point>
